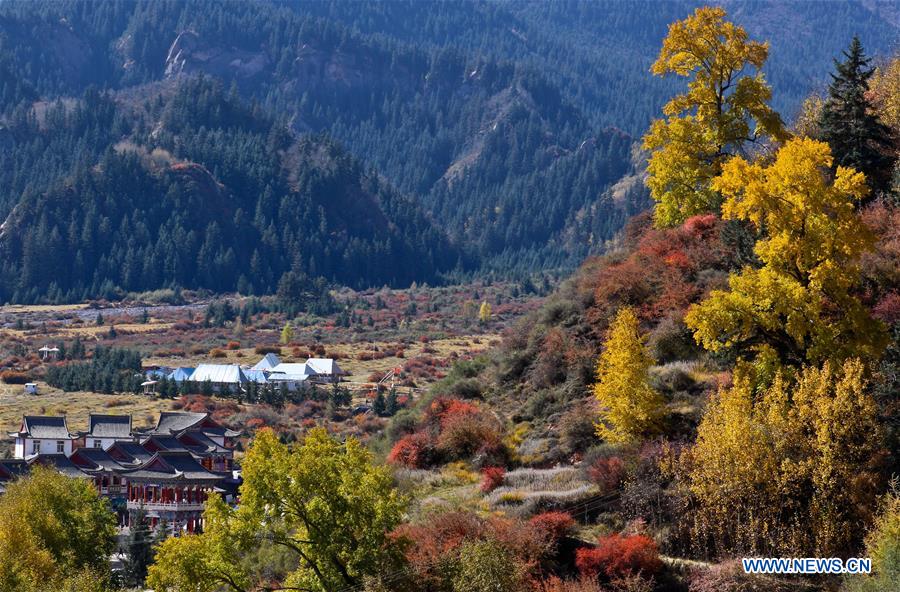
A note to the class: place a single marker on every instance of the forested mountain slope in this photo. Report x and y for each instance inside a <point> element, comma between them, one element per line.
<point>199,191</point>
<point>511,123</point>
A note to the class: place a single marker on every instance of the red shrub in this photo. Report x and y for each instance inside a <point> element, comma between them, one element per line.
<point>414,451</point>
<point>700,224</point>
<point>233,345</point>
<point>607,473</point>
<point>556,525</point>
<point>492,478</point>
<point>619,556</point>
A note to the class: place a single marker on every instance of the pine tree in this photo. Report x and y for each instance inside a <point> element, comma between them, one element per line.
<point>849,125</point>
<point>391,405</point>
<point>629,407</point>
<point>379,405</point>
<point>139,551</point>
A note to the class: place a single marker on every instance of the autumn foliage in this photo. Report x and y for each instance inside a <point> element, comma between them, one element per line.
<point>491,478</point>
<point>620,555</point>
<point>451,429</point>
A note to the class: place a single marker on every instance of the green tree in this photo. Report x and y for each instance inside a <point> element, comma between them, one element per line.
<point>379,405</point>
<point>722,111</point>
<point>323,500</point>
<point>849,124</point>
<point>800,306</point>
<point>55,533</point>
<point>138,551</point>
<point>629,406</point>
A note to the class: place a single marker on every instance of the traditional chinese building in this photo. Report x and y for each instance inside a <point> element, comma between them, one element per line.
<point>170,489</point>
<point>43,434</point>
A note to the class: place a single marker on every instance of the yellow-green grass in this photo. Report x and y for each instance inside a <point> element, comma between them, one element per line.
<point>76,406</point>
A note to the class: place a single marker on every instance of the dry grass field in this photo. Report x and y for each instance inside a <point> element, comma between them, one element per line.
<point>14,403</point>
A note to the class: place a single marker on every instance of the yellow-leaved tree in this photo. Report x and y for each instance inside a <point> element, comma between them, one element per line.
<point>799,307</point>
<point>723,109</point>
<point>788,469</point>
<point>629,407</point>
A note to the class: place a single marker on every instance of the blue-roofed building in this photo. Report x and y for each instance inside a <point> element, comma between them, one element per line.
<point>181,374</point>
<point>257,376</point>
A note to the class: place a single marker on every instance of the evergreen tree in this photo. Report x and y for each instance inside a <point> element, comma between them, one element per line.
<point>379,405</point>
<point>391,404</point>
<point>849,125</point>
<point>138,551</point>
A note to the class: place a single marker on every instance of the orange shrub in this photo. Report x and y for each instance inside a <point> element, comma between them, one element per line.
<point>618,556</point>
<point>233,345</point>
<point>414,451</point>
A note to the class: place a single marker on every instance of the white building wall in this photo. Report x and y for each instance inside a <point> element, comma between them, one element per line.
<point>26,447</point>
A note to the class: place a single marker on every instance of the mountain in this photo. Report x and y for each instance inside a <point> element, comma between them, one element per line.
<point>200,192</point>
<point>513,125</point>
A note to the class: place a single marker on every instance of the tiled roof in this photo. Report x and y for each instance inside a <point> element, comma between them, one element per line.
<point>109,426</point>
<point>171,422</point>
<point>95,459</point>
<point>129,452</point>
<point>45,427</point>
<point>60,462</point>
<point>172,466</point>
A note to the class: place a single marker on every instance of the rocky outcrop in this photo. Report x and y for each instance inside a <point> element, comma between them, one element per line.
<point>189,54</point>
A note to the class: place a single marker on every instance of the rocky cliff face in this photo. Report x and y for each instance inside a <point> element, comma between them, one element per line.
<point>190,54</point>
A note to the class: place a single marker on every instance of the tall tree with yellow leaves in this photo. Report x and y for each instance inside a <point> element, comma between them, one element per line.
<point>629,407</point>
<point>799,307</point>
<point>722,111</point>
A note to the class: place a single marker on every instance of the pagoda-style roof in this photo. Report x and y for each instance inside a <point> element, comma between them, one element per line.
<point>199,443</point>
<point>170,467</point>
<point>175,422</point>
<point>129,453</point>
<point>10,468</point>
<point>44,427</point>
<point>163,444</point>
<point>109,426</point>
<point>60,462</point>
<point>97,460</point>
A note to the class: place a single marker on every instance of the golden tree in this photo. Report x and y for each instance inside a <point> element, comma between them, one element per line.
<point>722,110</point>
<point>799,306</point>
<point>629,406</point>
<point>788,468</point>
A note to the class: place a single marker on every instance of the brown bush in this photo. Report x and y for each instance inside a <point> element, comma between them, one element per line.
<point>267,349</point>
<point>216,353</point>
<point>12,377</point>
